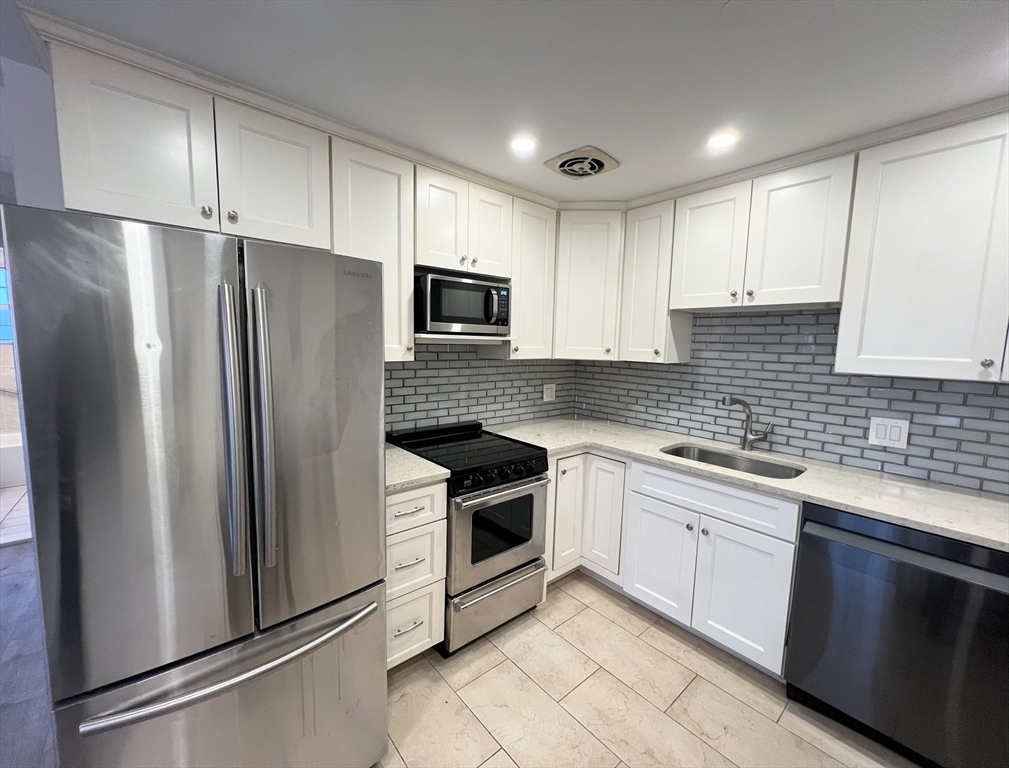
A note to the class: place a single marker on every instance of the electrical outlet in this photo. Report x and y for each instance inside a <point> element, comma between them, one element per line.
<point>889,432</point>
<point>549,392</point>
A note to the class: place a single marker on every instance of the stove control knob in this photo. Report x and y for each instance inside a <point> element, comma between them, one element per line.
<point>504,473</point>
<point>530,468</point>
<point>477,480</point>
<point>519,470</point>
<point>487,478</point>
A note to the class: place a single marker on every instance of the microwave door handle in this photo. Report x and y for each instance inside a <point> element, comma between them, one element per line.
<point>493,305</point>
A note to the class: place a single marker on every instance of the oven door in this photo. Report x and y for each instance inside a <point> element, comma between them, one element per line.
<point>495,531</point>
<point>465,305</point>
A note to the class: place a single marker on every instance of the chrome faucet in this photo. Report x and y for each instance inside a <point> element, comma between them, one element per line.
<point>749,436</point>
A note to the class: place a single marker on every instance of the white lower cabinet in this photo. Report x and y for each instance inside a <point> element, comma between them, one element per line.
<point>570,493</point>
<point>414,559</point>
<point>603,511</point>
<point>661,550</point>
<point>741,590</point>
<point>415,622</point>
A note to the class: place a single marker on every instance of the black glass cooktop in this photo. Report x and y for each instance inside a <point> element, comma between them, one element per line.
<point>466,447</point>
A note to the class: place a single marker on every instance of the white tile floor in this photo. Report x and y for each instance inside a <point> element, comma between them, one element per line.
<point>592,679</point>
<point>14,523</point>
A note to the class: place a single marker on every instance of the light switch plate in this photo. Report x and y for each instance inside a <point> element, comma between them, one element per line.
<point>549,392</point>
<point>889,432</point>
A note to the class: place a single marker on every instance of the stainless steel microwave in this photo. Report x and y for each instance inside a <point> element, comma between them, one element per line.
<point>460,303</point>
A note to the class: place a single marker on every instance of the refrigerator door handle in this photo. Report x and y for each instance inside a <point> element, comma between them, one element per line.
<point>104,723</point>
<point>236,461</point>
<point>268,485</point>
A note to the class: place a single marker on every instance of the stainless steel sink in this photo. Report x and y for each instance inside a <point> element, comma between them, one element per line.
<point>735,461</point>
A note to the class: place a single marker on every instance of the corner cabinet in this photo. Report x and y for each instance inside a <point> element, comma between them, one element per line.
<point>649,331</point>
<point>134,144</point>
<point>588,285</point>
<point>373,219</point>
<point>603,512</point>
<point>928,264</point>
<point>569,494</point>
<point>461,225</point>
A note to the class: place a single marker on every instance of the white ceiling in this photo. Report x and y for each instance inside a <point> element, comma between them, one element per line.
<point>647,82</point>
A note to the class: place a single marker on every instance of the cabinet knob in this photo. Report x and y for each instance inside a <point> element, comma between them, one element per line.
<point>409,347</point>
<point>607,350</point>
<point>733,294</point>
<point>232,216</point>
<point>564,471</point>
<point>987,363</point>
<point>207,211</point>
<point>704,531</point>
<point>656,351</point>
<point>515,349</point>
<point>690,526</point>
<point>749,293</point>
<point>474,261</point>
<point>463,261</point>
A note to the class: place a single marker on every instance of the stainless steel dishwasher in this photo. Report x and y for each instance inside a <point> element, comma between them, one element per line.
<point>905,632</point>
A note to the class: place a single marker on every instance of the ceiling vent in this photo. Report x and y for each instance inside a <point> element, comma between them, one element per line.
<point>582,163</point>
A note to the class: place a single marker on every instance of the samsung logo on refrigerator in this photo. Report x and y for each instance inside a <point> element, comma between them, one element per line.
<point>353,273</point>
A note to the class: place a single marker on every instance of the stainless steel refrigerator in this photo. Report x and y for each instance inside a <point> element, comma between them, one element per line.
<point>203,421</point>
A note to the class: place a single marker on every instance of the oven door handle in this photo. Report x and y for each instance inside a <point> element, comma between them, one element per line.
<point>461,505</point>
<point>463,606</point>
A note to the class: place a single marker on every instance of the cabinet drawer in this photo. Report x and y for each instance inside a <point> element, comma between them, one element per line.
<point>415,622</point>
<point>764,514</point>
<point>418,506</point>
<point>414,559</point>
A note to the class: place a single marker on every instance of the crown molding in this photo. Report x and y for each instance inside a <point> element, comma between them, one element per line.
<point>893,133</point>
<point>55,30</point>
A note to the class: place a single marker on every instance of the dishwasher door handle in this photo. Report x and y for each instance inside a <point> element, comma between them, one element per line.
<point>924,560</point>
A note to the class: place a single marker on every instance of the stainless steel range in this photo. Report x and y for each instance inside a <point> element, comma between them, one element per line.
<point>496,525</point>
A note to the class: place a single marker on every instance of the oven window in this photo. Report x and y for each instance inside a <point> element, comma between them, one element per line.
<point>453,302</point>
<point>501,527</point>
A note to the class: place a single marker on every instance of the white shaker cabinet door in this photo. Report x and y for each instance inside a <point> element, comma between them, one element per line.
<point>373,219</point>
<point>490,231</point>
<point>660,551</point>
<point>588,285</point>
<point>649,332</point>
<point>742,589</point>
<point>568,506</point>
<point>442,220</point>
<point>134,144</point>
<point>274,177</point>
<point>798,234</point>
<point>928,264</point>
<point>534,234</point>
<point>604,511</point>
<point>709,248</point>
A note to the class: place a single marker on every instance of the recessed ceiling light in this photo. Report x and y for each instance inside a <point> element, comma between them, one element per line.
<point>523,145</point>
<point>723,139</point>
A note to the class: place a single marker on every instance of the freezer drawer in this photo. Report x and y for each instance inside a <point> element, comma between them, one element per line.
<point>325,707</point>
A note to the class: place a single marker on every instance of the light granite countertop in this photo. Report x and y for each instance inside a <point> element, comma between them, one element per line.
<point>979,518</point>
<point>972,516</point>
<point>404,470</point>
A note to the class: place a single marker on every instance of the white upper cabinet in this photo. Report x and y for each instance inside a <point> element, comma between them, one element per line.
<point>588,285</point>
<point>649,332</point>
<point>925,288</point>
<point>742,589</point>
<point>373,219</point>
<point>490,231</point>
<point>604,504</point>
<point>274,177</point>
<point>660,551</point>
<point>442,220</point>
<point>534,235</point>
<point>134,144</point>
<point>709,248</point>
<point>462,226</point>
<point>798,233</point>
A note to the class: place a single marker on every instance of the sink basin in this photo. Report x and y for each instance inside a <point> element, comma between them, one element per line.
<point>748,464</point>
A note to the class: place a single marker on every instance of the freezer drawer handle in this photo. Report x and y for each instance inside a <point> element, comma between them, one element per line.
<point>235,458</point>
<point>401,566</point>
<point>411,628</point>
<point>103,723</point>
<point>267,452</point>
<point>502,588</point>
<point>406,512</point>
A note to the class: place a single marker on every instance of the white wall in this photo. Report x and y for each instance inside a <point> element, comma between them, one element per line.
<point>28,134</point>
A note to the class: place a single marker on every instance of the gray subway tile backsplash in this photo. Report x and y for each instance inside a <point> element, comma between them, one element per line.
<point>781,362</point>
